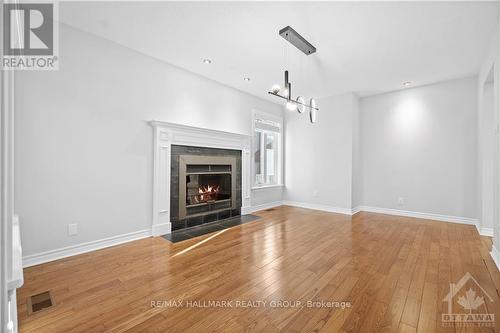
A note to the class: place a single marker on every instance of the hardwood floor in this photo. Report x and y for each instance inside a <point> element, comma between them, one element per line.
<point>394,271</point>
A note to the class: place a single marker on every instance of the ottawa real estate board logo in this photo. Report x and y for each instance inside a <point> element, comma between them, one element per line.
<point>469,304</point>
<point>30,36</point>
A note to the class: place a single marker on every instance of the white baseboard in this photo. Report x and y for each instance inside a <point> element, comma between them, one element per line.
<point>251,209</point>
<point>165,228</point>
<point>389,211</point>
<point>428,216</point>
<point>324,208</point>
<point>356,210</point>
<point>484,231</point>
<point>487,232</point>
<point>161,229</point>
<point>495,255</point>
<point>42,257</point>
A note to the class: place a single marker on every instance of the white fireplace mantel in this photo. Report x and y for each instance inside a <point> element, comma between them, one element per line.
<point>168,134</point>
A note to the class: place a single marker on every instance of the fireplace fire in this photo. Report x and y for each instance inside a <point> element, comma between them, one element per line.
<point>206,193</point>
<point>206,186</point>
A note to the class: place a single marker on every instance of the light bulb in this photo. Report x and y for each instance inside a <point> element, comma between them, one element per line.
<point>291,106</point>
<point>275,88</point>
<point>285,93</point>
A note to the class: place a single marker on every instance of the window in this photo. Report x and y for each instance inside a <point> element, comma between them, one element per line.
<point>267,150</point>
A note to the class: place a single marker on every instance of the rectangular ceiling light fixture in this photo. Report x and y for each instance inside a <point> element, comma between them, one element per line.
<point>297,40</point>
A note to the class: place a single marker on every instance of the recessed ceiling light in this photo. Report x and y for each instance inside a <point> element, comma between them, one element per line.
<point>246,79</point>
<point>207,61</point>
<point>407,84</point>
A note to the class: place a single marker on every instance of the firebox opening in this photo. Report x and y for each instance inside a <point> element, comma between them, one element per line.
<point>207,188</point>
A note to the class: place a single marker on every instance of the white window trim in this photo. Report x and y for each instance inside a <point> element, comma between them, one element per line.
<point>266,187</point>
<point>257,114</point>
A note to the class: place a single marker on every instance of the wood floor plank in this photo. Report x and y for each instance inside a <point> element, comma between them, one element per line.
<point>393,273</point>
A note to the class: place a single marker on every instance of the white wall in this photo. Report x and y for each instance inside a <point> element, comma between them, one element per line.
<point>420,145</point>
<point>318,157</point>
<point>357,172</point>
<point>486,155</point>
<point>84,149</point>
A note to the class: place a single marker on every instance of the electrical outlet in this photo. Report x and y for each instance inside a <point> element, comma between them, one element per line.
<point>401,201</point>
<point>315,193</point>
<point>72,229</point>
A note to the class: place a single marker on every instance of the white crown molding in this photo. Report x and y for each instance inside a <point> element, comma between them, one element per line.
<point>168,134</point>
<point>427,216</point>
<point>42,257</point>
<point>495,255</point>
<point>325,208</point>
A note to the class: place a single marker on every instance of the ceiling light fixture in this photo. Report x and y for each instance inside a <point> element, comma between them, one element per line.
<point>207,61</point>
<point>406,83</point>
<point>246,79</point>
<point>275,88</point>
<point>299,104</point>
<point>290,105</point>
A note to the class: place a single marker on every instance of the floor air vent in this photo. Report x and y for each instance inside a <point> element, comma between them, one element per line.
<point>39,302</point>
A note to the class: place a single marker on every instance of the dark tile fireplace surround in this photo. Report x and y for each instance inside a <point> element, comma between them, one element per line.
<point>205,185</point>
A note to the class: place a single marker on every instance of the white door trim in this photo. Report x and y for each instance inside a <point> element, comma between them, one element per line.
<point>9,269</point>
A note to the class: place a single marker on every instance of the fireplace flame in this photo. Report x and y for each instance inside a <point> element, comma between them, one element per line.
<point>206,193</point>
<point>208,189</point>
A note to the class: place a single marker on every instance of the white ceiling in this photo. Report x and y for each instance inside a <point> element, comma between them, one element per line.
<point>365,47</point>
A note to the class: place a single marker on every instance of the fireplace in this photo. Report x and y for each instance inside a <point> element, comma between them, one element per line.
<point>205,185</point>
<point>172,140</point>
<point>207,188</point>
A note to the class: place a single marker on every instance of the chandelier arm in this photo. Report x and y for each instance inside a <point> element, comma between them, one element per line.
<point>278,95</point>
